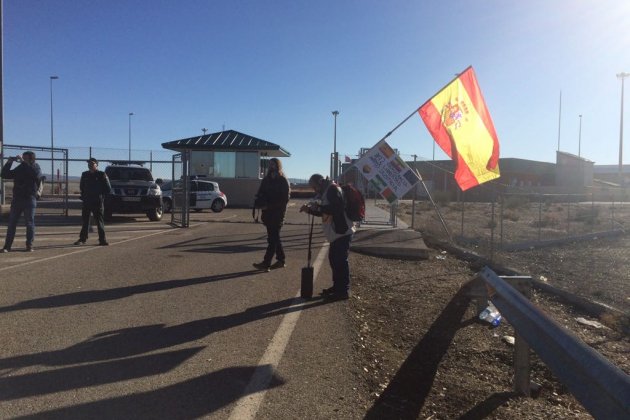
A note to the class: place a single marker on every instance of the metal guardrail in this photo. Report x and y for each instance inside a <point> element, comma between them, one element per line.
<point>601,387</point>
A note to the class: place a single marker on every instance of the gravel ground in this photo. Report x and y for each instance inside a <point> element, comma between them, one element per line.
<point>422,352</point>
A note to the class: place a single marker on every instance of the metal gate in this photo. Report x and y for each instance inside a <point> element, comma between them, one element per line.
<point>180,212</point>
<point>54,165</point>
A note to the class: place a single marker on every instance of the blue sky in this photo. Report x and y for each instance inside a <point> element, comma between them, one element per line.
<point>276,70</point>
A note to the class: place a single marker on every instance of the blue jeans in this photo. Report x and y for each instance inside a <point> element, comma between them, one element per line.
<point>338,259</point>
<point>21,205</point>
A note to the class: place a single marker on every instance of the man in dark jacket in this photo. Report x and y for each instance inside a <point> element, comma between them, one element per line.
<point>27,178</point>
<point>275,190</point>
<point>94,186</point>
<point>338,229</point>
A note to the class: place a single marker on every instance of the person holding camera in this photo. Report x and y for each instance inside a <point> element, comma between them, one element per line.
<point>27,179</point>
<point>274,190</point>
<point>94,186</point>
<point>338,229</point>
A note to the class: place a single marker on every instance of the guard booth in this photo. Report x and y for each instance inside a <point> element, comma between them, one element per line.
<point>235,160</point>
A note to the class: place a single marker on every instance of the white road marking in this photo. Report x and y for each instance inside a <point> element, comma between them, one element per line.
<point>247,406</point>
<point>86,249</point>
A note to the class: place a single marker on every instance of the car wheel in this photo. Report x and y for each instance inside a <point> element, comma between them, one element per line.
<point>107,215</point>
<point>155,215</point>
<point>217,206</point>
<point>167,205</point>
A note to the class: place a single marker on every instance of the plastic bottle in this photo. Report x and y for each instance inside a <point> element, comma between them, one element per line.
<point>491,315</point>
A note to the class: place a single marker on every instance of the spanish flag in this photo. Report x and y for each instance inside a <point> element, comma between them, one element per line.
<point>459,121</point>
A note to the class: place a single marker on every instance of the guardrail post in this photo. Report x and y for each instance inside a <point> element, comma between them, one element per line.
<point>522,383</point>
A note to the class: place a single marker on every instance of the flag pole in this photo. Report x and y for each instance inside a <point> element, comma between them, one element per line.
<point>437,209</point>
<point>427,101</point>
<point>416,111</point>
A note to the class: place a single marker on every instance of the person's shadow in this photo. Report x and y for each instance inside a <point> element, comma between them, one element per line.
<point>406,393</point>
<point>139,340</point>
<point>189,399</point>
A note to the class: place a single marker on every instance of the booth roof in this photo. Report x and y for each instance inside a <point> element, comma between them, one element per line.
<point>227,140</point>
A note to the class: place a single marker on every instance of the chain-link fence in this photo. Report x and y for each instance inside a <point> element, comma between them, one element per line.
<point>62,168</point>
<point>517,220</point>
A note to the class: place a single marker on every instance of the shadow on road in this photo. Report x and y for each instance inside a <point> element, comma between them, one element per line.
<point>108,357</point>
<point>189,399</point>
<point>94,296</point>
<point>405,395</point>
<point>77,377</point>
<point>118,344</point>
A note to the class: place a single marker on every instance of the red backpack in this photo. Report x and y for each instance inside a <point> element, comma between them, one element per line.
<point>353,202</point>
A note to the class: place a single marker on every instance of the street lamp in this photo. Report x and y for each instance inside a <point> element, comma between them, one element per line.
<point>52,139</point>
<point>130,114</point>
<point>580,137</point>
<point>622,76</point>
<point>335,164</point>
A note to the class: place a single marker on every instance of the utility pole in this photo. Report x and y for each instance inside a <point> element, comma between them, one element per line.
<point>622,76</point>
<point>580,138</point>
<point>335,160</point>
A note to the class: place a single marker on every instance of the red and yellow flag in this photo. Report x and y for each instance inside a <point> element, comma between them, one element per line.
<point>459,121</point>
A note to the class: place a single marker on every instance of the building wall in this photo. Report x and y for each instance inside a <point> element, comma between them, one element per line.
<point>573,171</point>
<point>240,192</point>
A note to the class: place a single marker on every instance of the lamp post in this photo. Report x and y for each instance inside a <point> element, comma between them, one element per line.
<point>204,131</point>
<point>580,138</point>
<point>335,164</point>
<point>130,114</point>
<point>622,76</point>
<point>52,139</point>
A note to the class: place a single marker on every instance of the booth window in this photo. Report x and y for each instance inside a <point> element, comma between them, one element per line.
<point>225,164</point>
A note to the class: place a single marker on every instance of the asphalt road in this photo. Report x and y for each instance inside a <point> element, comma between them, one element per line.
<point>170,323</point>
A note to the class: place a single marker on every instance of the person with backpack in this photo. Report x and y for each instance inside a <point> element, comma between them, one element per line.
<point>338,229</point>
<point>275,192</point>
<point>27,180</point>
<point>94,187</point>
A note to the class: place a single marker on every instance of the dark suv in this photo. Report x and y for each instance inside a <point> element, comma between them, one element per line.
<point>133,191</point>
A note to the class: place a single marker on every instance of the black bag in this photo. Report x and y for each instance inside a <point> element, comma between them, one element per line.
<point>306,290</point>
<point>260,203</point>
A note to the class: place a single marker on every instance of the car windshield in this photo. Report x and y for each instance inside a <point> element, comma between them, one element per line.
<point>125,174</point>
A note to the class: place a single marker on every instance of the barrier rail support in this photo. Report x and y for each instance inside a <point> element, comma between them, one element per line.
<point>600,386</point>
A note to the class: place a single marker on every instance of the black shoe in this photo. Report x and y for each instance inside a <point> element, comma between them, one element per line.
<point>336,296</point>
<point>277,264</point>
<point>4,250</point>
<point>103,243</point>
<point>263,266</point>
<point>29,248</point>
<point>79,242</point>
<point>329,291</point>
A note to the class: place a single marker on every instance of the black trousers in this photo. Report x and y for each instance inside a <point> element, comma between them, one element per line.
<point>97,211</point>
<point>274,244</point>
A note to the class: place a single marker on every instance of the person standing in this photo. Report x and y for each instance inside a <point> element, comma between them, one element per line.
<point>94,186</point>
<point>338,229</point>
<point>275,191</point>
<point>27,179</point>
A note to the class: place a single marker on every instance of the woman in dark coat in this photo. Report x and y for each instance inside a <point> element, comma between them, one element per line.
<point>274,190</point>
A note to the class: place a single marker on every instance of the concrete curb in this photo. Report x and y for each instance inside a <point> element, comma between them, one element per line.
<point>403,244</point>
